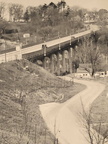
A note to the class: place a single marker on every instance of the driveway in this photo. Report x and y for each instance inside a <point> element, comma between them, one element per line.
<point>63,119</point>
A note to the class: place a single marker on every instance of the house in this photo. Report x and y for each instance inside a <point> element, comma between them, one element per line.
<point>81,73</point>
<point>103,73</point>
<point>62,6</point>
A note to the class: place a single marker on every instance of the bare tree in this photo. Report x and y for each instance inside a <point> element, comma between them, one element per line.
<point>2,9</point>
<point>89,52</point>
<point>93,132</point>
<point>15,12</point>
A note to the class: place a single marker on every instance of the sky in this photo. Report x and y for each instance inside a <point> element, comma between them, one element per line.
<point>89,4</point>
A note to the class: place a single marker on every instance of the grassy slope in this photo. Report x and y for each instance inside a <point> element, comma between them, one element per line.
<point>23,86</point>
<point>100,105</point>
<point>100,108</point>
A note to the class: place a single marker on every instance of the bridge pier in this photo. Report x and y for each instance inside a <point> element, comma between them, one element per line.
<point>52,63</point>
<point>70,54</point>
<point>63,62</point>
<point>58,63</point>
<point>44,63</point>
<point>67,61</point>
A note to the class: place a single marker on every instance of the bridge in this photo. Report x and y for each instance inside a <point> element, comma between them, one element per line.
<point>56,56</point>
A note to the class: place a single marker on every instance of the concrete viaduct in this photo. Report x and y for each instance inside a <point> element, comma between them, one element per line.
<point>56,56</point>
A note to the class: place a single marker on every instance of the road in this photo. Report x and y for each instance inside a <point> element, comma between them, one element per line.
<point>54,42</point>
<point>60,40</point>
<point>63,119</point>
<point>17,54</point>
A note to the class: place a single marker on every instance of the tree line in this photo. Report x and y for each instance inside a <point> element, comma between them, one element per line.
<point>50,14</point>
<point>51,19</point>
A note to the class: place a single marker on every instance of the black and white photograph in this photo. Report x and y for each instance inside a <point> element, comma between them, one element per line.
<point>54,72</point>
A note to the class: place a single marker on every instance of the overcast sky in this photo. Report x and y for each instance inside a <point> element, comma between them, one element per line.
<point>90,4</point>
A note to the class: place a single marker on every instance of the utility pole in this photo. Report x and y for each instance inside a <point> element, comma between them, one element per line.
<point>45,135</point>
<point>59,40</point>
<point>70,38</point>
<point>5,49</point>
<point>35,133</point>
<point>55,131</point>
<point>106,62</point>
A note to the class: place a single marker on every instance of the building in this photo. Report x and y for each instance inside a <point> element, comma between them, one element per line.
<point>82,73</point>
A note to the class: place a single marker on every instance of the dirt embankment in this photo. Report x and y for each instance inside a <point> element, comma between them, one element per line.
<point>23,87</point>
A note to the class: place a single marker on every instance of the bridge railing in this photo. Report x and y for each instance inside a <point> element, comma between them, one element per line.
<point>12,54</point>
<point>31,41</point>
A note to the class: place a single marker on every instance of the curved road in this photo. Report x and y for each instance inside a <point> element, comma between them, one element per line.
<point>63,120</point>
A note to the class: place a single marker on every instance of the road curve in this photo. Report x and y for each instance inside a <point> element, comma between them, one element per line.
<point>62,119</point>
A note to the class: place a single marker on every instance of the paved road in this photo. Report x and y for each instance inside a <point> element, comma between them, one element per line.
<point>57,41</point>
<point>63,120</point>
<point>17,54</point>
<point>53,42</point>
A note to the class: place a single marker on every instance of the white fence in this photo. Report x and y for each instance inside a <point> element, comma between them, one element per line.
<point>10,56</point>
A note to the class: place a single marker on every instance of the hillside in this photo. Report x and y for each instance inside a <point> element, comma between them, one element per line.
<point>23,87</point>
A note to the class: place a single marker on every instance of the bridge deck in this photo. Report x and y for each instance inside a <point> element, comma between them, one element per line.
<point>37,48</point>
<point>54,42</point>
